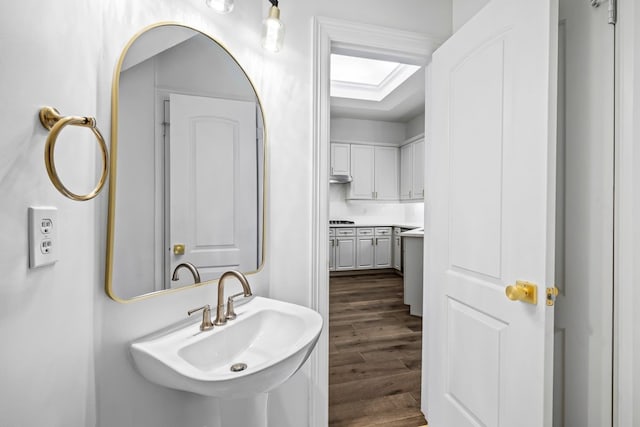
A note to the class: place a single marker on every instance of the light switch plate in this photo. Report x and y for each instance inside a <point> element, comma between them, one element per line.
<point>43,236</point>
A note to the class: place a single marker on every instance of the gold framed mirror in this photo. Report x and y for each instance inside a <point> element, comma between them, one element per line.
<point>188,156</point>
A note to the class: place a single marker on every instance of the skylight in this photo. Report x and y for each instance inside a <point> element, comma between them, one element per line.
<point>367,79</point>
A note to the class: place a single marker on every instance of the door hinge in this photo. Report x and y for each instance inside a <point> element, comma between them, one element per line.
<point>552,293</point>
<point>613,10</point>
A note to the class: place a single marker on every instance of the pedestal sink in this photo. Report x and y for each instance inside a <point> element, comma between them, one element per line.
<point>238,362</point>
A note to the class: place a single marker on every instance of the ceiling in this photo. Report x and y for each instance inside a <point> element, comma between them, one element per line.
<point>401,105</point>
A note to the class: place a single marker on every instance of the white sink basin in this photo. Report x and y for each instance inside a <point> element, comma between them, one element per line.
<point>273,338</point>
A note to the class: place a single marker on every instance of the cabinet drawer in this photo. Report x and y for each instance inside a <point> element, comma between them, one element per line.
<point>397,231</point>
<point>345,232</point>
<point>332,232</point>
<point>365,231</point>
<point>383,231</point>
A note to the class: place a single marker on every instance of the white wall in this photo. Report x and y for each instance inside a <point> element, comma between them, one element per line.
<point>50,378</point>
<point>367,131</point>
<point>47,314</point>
<point>463,10</point>
<point>370,212</point>
<point>415,126</point>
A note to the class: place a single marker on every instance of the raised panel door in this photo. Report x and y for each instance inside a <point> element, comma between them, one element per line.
<point>366,251</point>
<point>345,256</point>
<point>332,254</point>
<point>406,171</point>
<point>340,159</point>
<point>383,252</point>
<point>386,173</point>
<point>417,170</point>
<point>493,112</point>
<point>362,172</point>
<point>397,253</point>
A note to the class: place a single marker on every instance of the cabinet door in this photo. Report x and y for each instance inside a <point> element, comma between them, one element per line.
<point>340,159</point>
<point>386,173</point>
<point>345,256</point>
<point>362,172</point>
<point>417,190</point>
<point>383,252</point>
<point>366,250</point>
<point>332,254</point>
<point>397,253</point>
<point>406,171</point>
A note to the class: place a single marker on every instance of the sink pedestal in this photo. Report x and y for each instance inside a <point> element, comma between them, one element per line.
<point>249,411</point>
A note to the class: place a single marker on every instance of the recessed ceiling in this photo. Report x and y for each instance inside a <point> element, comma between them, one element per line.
<point>366,79</point>
<point>373,89</point>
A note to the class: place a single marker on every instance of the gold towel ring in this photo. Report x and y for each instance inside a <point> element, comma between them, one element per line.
<point>54,122</point>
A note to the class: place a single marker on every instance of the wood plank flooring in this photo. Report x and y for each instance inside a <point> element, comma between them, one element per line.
<point>375,351</point>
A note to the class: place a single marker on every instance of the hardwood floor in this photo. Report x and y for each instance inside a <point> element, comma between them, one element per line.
<point>375,351</point>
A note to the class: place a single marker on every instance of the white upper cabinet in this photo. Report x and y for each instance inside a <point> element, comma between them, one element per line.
<point>386,173</point>
<point>374,170</point>
<point>340,159</point>
<point>417,188</point>
<point>406,171</point>
<point>362,172</point>
<point>412,171</point>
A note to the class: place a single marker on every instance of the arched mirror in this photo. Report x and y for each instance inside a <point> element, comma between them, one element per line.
<point>187,168</point>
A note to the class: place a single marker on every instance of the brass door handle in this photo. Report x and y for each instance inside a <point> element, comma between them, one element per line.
<point>523,291</point>
<point>178,249</point>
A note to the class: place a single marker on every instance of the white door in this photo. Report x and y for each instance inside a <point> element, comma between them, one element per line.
<point>340,159</point>
<point>365,256</point>
<point>332,254</point>
<point>386,173</point>
<point>490,219</point>
<point>213,185</point>
<point>406,171</point>
<point>362,172</point>
<point>345,253</point>
<point>584,229</point>
<point>417,170</point>
<point>383,251</point>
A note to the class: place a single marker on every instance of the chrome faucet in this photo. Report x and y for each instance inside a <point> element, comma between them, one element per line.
<point>221,318</point>
<point>192,268</point>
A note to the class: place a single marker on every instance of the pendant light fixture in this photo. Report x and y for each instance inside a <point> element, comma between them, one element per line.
<point>273,29</point>
<point>220,6</point>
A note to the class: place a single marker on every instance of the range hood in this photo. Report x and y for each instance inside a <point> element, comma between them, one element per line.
<point>340,179</point>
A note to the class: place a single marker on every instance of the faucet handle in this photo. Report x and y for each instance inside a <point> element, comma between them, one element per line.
<point>206,317</point>
<point>231,314</point>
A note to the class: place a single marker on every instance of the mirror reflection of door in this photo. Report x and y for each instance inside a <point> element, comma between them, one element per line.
<point>212,180</point>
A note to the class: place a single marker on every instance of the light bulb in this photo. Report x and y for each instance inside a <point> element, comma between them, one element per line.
<point>273,31</point>
<point>220,6</point>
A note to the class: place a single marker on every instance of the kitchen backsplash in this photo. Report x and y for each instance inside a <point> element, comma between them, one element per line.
<point>372,211</point>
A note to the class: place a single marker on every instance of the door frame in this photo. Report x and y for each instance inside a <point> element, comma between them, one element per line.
<point>626,373</point>
<point>347,37</point>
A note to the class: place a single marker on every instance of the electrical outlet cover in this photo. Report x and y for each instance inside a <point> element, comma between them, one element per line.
<point>43,236</point>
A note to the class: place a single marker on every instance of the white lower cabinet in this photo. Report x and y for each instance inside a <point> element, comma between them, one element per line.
<point>374,248</point>
<point>397,248</point>
<point>361,248</point>
<point>342,249</point>
<point>366,250</point>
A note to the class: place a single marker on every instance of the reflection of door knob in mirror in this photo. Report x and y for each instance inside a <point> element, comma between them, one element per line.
<point>523,291</point>
<point>178,249</point>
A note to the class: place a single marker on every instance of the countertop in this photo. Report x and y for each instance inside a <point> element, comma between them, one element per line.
<point>416,232</point>
<point>376,224</point>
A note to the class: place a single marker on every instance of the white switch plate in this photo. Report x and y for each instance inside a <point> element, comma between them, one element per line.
<point>43,236</point>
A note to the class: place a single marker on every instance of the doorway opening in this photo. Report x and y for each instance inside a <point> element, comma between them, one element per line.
<point>583,339</point>
<point>365,41</point>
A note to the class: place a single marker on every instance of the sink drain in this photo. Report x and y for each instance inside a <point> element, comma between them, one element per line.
<point>237,367</point>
